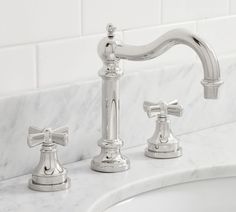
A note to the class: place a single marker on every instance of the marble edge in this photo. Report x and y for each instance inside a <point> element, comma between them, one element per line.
<point>169,179</point>
<point>48,89</point>
<point>66,85</point>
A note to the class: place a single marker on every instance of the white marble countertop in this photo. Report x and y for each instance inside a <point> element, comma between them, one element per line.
<point>207,154</point>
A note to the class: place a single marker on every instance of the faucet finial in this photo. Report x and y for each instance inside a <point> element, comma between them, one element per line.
<point>110,30</point>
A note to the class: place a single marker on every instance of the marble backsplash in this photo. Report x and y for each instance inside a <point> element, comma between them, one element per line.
<point>78,106</point>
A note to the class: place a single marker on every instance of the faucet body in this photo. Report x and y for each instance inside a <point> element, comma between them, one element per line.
<point>111,51</point>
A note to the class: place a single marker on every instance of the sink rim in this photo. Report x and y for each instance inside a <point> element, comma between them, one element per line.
<point>184,188</point>
<point>158,181</point>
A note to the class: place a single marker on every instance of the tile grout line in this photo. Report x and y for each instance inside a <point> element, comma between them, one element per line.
<point>39,42</point>
<point>229,7</point>
<point>161,12</point>
<point>101,33</point>
<point>81,17</point>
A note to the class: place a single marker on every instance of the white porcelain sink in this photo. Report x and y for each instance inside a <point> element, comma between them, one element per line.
<point>218,195</point>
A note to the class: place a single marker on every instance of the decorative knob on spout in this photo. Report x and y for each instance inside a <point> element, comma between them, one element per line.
<point>49,175</point>
<point>163,144</point>
<point>110,30</point>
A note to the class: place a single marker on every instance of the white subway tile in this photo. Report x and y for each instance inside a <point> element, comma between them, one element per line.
<point>232,6</point>
<point>177,54</point>
<point>122,13</point>
<point>69,60</point>
<point>185,10</point>
<point>17,69</point>
<point>26,20</point>
<point>220,33</point>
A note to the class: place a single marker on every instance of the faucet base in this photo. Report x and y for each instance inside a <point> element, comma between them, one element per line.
<point>163,155</point>
<point>109,162</point>
<point>50,187</point>
<point>110,159</point>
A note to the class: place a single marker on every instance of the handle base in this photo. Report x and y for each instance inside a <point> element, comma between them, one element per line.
<point>49,188</point>
<point>163,155</point>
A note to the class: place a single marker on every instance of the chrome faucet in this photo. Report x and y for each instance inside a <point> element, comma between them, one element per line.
<point>111,51</point>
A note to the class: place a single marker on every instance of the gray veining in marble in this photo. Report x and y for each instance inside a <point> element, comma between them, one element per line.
<point>78,107</point>
<point>207,154</point>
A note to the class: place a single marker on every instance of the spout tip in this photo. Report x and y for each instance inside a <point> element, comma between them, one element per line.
<point>211,92</point>
<point>211,89</point>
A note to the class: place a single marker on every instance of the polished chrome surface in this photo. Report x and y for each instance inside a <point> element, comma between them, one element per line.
<point>110,159</point>
<point>49,175</point>
<point>211,81</point>
<point>163,144</point>
<point>111,51</point>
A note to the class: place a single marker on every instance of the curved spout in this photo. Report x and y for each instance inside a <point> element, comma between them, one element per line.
<point>211,81</point>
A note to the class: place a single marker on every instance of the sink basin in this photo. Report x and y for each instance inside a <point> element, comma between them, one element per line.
<point>209,195</point>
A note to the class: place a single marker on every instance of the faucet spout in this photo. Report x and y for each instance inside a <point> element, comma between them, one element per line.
<point>111,50</point>
<point>211,81</point>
